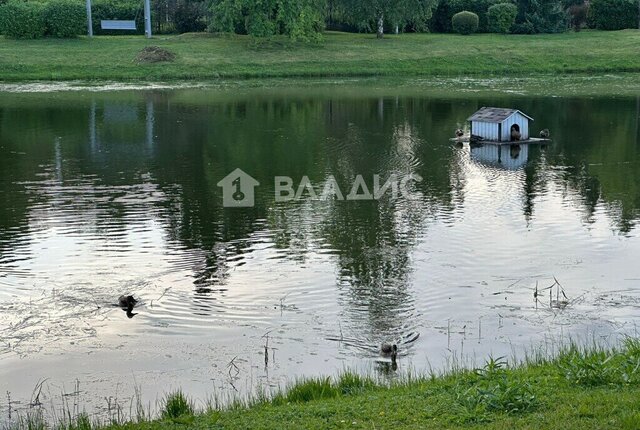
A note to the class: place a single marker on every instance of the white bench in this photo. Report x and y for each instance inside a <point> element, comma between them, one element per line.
<point>116,24</point>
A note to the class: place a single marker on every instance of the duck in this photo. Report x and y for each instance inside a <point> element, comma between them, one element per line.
<point>515,134</point>
<point>127,303</point>
<point>545,133</point>
<point>389,350</point>
<point>459,133</point>
<point>474,138</point>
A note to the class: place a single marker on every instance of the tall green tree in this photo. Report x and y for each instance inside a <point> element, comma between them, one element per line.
<point>369,14</point>
<point>299,19</point>
<point>546,16</point>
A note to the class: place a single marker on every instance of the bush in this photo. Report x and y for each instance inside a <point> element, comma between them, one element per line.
<point>613,14</point>
<point>502,17</point>
<point>441,19</point>
<point>307,27</point>
<point>465,22</point>
<point>65,18</point>
<point>298,19</point>
<point>22,20</point>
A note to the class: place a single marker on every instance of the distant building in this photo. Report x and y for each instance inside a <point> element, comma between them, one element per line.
<point>499,124</point>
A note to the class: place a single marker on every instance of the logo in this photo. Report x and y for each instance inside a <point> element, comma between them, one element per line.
<point>238,190</point>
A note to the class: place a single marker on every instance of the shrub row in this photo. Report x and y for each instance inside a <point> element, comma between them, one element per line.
<point>32,20</point>
<point>68,18</point>
<point>541,16</point>
<point>501,18</point>
<point>441,20</point>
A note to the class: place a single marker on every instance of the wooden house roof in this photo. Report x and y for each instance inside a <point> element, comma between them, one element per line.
<point>495,115</point>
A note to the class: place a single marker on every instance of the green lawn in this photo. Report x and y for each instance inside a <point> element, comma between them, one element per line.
<point>205,56</point>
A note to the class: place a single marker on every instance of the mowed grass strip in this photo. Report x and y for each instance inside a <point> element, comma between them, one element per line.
<point>206,56</point>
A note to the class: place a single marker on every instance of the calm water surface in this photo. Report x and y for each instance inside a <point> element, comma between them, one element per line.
<point>111,193</point>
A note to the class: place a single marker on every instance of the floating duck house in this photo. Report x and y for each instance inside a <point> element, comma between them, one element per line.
<point>500,125</point>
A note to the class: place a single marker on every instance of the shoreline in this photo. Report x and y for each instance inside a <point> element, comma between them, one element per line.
<point>622,84</point>
<point>578,387</point>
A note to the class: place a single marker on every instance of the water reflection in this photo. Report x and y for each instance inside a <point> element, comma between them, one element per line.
<point>106,193</point>
<point>510,157</point>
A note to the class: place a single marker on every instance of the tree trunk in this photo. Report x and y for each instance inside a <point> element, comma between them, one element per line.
<point>396,30</point>
<point>380,32</point>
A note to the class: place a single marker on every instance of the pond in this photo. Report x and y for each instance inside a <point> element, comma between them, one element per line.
<point>110,193</point>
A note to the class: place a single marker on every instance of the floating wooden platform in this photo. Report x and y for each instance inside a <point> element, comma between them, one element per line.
<point>466,139</point>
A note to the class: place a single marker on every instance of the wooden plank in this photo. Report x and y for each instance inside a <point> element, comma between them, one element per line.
<point>116,24</point>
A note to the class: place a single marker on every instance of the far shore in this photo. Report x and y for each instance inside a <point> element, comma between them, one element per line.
<point>206,57</point>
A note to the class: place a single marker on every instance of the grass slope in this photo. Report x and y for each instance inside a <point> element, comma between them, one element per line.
<point>205,56</point>
<point>579,389</point>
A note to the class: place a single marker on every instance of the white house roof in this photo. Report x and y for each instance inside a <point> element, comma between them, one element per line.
<point>495,115</point>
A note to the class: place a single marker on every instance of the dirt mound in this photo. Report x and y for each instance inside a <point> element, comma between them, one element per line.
<point>154,54</point>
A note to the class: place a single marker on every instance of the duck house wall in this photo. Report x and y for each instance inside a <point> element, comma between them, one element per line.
<point>486,130</point>
<point>516,118</point>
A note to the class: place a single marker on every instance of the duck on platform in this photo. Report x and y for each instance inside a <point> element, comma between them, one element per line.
<point>459,133</point>
<point>474,138</point>
<point>545,133</point>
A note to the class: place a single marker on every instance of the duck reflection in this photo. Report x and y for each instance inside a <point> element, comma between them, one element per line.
<point>510,157</point>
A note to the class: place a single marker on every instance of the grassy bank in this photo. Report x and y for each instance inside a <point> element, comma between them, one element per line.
<point>205,56</point>
<point>578,389</point>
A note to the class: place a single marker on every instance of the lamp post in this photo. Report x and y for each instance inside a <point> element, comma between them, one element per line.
<point>89,21</point>
<point>147,18</point>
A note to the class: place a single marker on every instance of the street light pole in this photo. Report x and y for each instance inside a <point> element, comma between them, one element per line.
<point>147,18</point>
<point>89,20</point>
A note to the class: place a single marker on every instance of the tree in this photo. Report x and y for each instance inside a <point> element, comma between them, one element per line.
<point>613,14</point>
<point>366,14</point>
<point>546,16</point>
<point>298,19</point>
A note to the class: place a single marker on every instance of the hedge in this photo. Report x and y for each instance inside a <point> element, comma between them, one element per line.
<point>502,17</point>
<point>22,20</point>
<point>65,18</point>
<point>465,22</point>
<point>613,14</point>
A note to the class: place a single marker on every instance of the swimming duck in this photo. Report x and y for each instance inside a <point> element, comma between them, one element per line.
<point>127,303</point>
<point>389,350</point>
<point>459,133</point>
<point>545,133</point>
